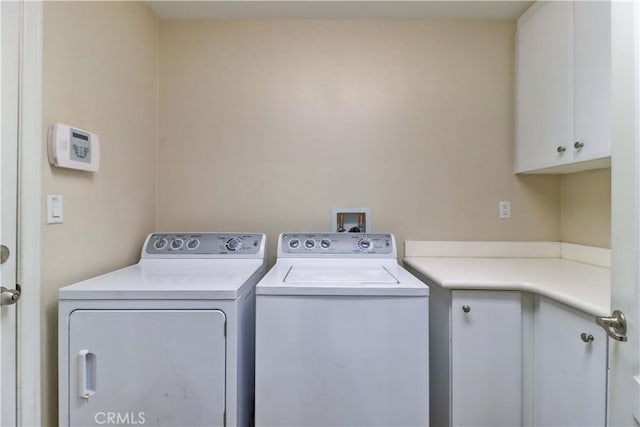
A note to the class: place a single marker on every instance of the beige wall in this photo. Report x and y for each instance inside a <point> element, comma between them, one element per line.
<point>585,216</point>
<point>267,125</point>
<point>99,74</point>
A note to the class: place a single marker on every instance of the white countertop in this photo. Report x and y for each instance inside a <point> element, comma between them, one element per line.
<point>580,285</point>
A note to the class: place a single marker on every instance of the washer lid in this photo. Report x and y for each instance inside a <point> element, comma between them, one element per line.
<point>340,275</point>
<point>340,278</point>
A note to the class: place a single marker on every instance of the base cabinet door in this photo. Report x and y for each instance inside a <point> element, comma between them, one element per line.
<point>570,368</point>
<point>486,358</point>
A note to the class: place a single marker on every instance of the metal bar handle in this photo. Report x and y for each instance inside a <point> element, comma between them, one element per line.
<point>86,374</point>
<point>615,325</point>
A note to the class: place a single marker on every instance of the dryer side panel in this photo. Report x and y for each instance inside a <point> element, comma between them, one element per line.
<point>162,367</point>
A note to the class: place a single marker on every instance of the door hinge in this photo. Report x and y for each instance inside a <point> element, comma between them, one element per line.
<point>224,418</point>
<point>225,328</point>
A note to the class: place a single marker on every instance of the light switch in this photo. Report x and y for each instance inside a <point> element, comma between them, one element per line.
<point>55,209</point>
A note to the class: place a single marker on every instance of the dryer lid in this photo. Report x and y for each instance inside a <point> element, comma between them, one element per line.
<point>171,279</point>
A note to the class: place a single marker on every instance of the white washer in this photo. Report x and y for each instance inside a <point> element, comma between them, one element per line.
<point>166,342</point>
<point>341,335</point>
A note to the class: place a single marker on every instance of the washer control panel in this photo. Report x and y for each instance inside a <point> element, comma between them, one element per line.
<point>336,244</point>
<point>199,245</point>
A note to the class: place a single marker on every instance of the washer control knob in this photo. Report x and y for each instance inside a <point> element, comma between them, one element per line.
<point>160,244</point>
<point>177,244</point>
<point>364,243</point>
<point>309,244</point>
<point>233,244</point>
<point>325,243</point>
<point>294,243</point>
<point>193,244</point>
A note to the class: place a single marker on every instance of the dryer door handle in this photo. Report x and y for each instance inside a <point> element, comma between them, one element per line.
<point>86,374</point>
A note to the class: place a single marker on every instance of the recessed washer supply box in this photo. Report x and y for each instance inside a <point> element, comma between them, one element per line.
<point>73,148</point>
<point>354,220</point>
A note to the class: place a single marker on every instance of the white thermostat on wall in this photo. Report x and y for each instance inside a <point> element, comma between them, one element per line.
<point>73,148</point>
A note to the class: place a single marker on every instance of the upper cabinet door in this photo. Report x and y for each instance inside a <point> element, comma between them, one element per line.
<point>544,93</point>
<point>563,93</point>
<point>592,65</point>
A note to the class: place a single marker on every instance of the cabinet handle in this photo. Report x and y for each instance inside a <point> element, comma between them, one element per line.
<point>578,145</point>
<point>466,308</point>
<point>561,149</point>
<point>586,337</point>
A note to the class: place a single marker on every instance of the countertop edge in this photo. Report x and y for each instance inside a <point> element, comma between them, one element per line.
<point>523,285</point>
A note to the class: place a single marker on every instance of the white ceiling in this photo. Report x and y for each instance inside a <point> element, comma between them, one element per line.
<point>340,9</point>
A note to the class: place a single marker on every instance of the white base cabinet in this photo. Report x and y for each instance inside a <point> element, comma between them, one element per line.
<point>476,360</point>
<point>486,358</point>
<point>507,358</point>
<point>570,368</point>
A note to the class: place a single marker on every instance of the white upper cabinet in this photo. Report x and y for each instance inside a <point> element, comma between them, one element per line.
<point>544,108</point>
<point>563,87</point>
<point>592,79</point>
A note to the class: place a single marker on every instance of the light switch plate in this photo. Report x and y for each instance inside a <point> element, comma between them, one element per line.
<point>55,209</point>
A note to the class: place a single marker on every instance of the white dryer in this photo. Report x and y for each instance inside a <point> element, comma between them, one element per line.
<point>166,342</point>
<point>341,335</point>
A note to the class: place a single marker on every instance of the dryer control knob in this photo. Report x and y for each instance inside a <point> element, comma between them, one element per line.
<point>325,243</point>
<point>233,244</point>
<point>177,243</point>
<point>309,244</point>
<point>160,244</point>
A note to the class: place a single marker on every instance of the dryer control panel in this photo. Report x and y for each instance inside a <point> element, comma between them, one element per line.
<point>317,245</point>
<point>204,245</point>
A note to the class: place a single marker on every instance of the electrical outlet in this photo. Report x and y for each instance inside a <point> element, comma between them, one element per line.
<point>504,209</point>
